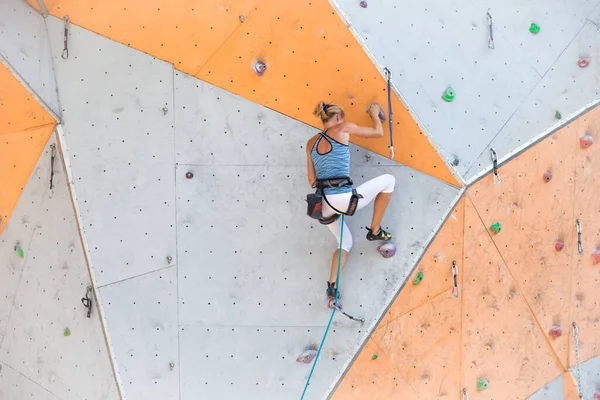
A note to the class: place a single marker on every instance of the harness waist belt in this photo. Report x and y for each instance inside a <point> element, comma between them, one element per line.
<point>333,183</point>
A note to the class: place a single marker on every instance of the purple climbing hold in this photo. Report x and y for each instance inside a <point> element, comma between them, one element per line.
<point>387,249</point>
<point>260,67</point>
<point>547,176</point>
<point>189,175</point>
<point>363,4</point>
<point>307,356</point>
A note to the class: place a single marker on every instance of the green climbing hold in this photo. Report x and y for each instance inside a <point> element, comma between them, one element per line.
<point>558,115</point>
<point>449,94</point>
<point>418,278</point>
<point>482,384</point>
<point>374,356</point>
<point>67,332</point>
<point>496,227</point>
<point>20,251</point>
<point>534,28</point>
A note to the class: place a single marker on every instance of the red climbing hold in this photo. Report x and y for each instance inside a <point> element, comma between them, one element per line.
<point>189,175</point>
<point>586,141</point>
<point>597,396</point>
<point>596,257</point>
<point>363,4</point>
<point>583,62</point>
<point>559,246</point>
<point>547,176</point>
<point>260,67</point>
<point>555,332</point>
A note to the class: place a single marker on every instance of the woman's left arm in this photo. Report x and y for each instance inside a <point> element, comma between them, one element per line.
<point>311,168</point>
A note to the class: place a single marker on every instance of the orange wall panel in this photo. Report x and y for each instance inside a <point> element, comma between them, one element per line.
<point>19,153</point>
<point>312,59</point>
<point>436,266</point>
<point>19,111</point>
<point>585,299</point>
<point>534,215</point>
<point>184,32</point>
<point>501,338</point>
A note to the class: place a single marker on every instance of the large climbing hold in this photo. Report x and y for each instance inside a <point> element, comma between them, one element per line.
<point>596,257</point>
<point>387,249</point>
<point>482,384</point>
<point>555,332</point>
<point>597,396</point>
<point>586,141</point>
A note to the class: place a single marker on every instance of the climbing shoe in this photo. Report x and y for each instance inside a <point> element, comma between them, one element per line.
<point>381,235</point>
<point>331,296</point>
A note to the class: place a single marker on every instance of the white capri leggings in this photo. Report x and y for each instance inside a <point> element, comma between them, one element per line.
<point>369,190</point>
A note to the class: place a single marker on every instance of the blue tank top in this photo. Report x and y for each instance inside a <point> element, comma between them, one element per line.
<point>333,164</point>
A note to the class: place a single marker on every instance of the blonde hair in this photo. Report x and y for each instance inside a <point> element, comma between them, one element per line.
<point>326,111</point>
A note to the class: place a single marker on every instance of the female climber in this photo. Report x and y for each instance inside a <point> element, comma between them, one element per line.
<point>328,155</point>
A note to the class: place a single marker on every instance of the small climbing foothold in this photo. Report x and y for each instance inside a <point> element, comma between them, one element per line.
<point>171,366</point>
<point>547,176</point>
<point>555,332</point>
<point>496,227</point>
<point>558,115</point>
<point>189,175</point>
<point>242,18</point>
<point>67,332</point>
<point>455,162</point>
<point>596,257</point>
<point>260,67</point>
<point>559,245</point>
<point>169,259</point>
<point>482,384</point>
<point>19,251</point>
<point>418,278</point>
<point>534,28</point>
<point>387,249</point>
<point>449,94</point>
<point>374,357</point>
<point>586,141</point>
<point>363,4</point>
<point>307,356</point>
<point>583,62</point>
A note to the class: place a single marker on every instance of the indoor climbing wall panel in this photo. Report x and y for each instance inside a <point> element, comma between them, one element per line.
<point>24,45</point>
<point>565,88</point>
<point>502,340</point>
<point>118,130</point>
<point>258,251</point>
<point>24,129</point>
<point>553,390</point>
<point>431,47</point>
<point>534,206</point>
<point>590,378</point>
<point>14,385</point>
<point>415,351</point>
<point>307,59</point>
<point>586,275</point>
<point>48,275</point>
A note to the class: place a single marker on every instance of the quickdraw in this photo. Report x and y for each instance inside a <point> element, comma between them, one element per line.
<point>52,158</point>
<point>388,75</point>
<point>465,395</point>
<point>65,52</point>
<point>579,231</point>
<point>455,276</point>
<point>497,179</point>
<point>87,301</point>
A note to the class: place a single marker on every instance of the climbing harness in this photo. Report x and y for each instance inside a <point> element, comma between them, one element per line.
<point>455,276</point>
<point>65,52</point>
<point>315,200</point>
<point>87,301</point>
<point>465,395</point>
<point>388,75</point>
<point>490,23</point>
<point>577,364</point>
<point>579,231</point>
<point>497,179</point>
<point>337,280</point>
<point>52,157</point>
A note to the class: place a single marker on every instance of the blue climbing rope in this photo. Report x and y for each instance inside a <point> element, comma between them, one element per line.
<point>337,285</point>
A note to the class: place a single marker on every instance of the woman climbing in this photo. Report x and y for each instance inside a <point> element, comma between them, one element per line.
<point>328,156</point>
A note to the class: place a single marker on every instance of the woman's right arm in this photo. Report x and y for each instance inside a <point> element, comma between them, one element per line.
<point>376,130</point>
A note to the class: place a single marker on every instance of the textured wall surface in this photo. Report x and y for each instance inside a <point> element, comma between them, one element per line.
<point>41,294</point>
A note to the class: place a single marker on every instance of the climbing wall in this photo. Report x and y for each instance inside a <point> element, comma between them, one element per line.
<point>307,59</point>
<point>504,96</point>
<point>24,45</point>
<point>43,277</point>
<point>24,129</point>
<point>521,288</point>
